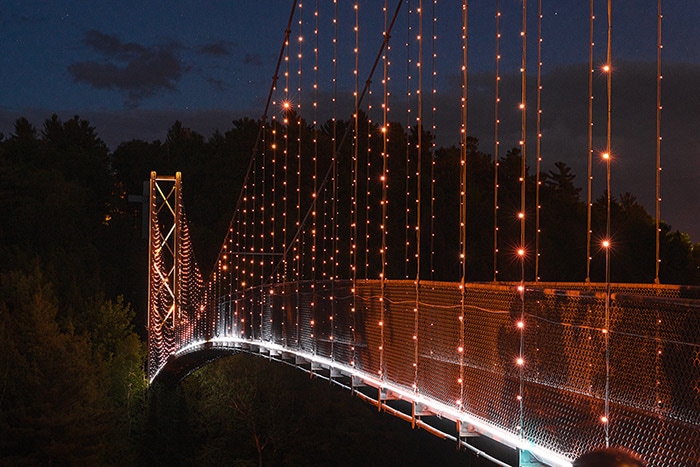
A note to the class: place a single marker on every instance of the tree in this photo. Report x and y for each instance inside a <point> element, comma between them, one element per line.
<point>297,420</point>
<point>563,227</point>
<point>50,402</point>
<point>75,364</point>
<point>246,402</point>
<point>679,258</point>
<point>74,148</point>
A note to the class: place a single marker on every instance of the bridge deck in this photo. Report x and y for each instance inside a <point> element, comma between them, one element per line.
<point>461,364</point>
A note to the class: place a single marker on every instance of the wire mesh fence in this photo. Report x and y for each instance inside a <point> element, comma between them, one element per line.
<point>461,347</point>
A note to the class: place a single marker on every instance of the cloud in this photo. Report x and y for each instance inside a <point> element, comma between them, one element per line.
<point>252,59</point>
<point>217,49</point>
<point>217,84</point>
<point>133,69</point>
<point>111,46</point>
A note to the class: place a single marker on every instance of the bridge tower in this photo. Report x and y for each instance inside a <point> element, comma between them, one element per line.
<point>165,267</point>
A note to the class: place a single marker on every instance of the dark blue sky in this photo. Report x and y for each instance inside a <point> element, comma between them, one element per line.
<point>133,67</point>
<point>220,54</point>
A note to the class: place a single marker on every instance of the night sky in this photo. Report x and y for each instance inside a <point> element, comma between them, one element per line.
<point>134,67</point>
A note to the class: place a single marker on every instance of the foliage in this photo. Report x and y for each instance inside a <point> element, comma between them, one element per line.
<point>50,395</point>
<point>255,412</point>
<point>65,398</point>
<point>72,365</point>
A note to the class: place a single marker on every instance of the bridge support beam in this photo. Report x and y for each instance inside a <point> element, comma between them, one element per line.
<point>527,459</point>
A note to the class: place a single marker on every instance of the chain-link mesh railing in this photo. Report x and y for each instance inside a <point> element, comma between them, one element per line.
<point>652,387</point>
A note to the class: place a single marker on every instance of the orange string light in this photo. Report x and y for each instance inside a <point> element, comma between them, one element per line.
<point>659,77</point>
<point>521,215</point>
<point>408,232</point>
<point>496,141</point>
<point>538,149</point>
<point>433,129</point>
<point>384,183</point>
<point>589,178</point>
<point>463,200</point>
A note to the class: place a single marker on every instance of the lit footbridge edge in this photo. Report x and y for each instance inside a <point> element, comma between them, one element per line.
<point>350,378</point>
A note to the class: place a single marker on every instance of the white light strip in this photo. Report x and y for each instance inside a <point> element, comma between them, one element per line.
<point>498,434</point>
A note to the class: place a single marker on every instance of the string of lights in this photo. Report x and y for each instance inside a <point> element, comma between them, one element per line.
<point>659,77</point>
<point>538,147</point>
<point>354,208</point>
<point>433,130</point>
<point>496,140</point>
<point>589,176</point>
<point>355,159</point>
<point>241,257</point>
<point>523,128</point>
<point>334,162</point>
<point>315,194</point>
<point>368,183</point>
<point>283,274</point>
<point>273,201</point>
<point>249,248</point>
<point>419,150</point>
<point>176,286</point>
<point>407,157</point>
<point>607,68</point>
<point>461,402</point>
<point>659,343</point>
<point>521,249</point>
<point>384,183</point>
<point>297,251</point>
<point>264,152</point>
<point>286,107</point>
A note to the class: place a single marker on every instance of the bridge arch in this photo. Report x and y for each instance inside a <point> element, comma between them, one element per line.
<point>421,412</point>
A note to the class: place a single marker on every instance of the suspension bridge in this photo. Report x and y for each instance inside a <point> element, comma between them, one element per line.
<point>363,253</point>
